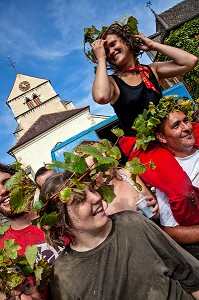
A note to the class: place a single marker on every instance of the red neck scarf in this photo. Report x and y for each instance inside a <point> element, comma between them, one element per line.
<point>144,73</point>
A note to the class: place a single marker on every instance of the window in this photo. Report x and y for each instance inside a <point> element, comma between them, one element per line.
<point>30,103</point>
<point>36,99</point>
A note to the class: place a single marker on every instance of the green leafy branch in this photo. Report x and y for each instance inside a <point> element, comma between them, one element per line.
<point>15,268</point>
<point>105,158</point>
<point>128,25</point>
<point>147,122</point>
<point>22,190</point>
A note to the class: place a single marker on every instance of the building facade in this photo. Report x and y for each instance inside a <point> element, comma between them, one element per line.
<point>44,120</point>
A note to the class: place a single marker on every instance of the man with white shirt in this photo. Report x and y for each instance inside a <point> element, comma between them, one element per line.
<point>176,133</point>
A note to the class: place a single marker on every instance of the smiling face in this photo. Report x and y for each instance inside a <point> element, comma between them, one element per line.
<point>86,213</point>
<point>177,134</point>
<point>4,195</point>
<point>117,52</point>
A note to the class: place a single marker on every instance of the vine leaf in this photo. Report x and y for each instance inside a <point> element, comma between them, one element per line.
<point>118,132</point>
<point>49,219</point>
<point>107,192</point>
<point>135,167</point>
<point>38,273</point>
<point>22,190</point>
<point>3,228</point>
<point>65,194</point>
<point>31,254</point>
<point>11,248</point>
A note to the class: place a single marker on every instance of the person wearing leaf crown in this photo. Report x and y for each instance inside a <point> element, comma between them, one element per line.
<point>109,257</point>
<point>21,233</point>
<point>132,86</point>
<point>176,132</point>
<point>168,176</point>
<point>127,190</point>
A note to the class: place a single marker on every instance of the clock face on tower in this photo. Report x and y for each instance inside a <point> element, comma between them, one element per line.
<point>24,86</point>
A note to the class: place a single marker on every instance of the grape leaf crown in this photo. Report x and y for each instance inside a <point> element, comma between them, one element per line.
<point>127,27</point>
<point>147,122</point>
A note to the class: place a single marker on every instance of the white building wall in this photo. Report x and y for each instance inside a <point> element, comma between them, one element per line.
<point>28,119</point>
<point>38,151</point>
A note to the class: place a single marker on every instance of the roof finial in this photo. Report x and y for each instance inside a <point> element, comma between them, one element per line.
<point>148,4</point>
<point>12,63</point>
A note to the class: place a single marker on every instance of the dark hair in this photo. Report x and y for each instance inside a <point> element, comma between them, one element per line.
<point>50,197</point>
<point>40,172</point>
<point>161,127</point>
<point>7,169</point>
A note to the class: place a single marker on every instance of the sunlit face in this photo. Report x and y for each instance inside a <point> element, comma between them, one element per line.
<point>41,179</point>
<point>87,213</point>
<point>4,195</point>
<point>178,134</point>
<point>118,53</point>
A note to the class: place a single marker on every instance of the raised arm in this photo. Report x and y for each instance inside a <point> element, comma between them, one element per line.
<point>180,63</point>
<point>104,89</point>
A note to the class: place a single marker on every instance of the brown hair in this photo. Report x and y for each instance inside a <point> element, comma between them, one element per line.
<point>128,38</point>
<point>50,197</point>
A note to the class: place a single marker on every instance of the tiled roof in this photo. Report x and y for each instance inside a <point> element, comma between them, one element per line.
<point>172,18</point>
<point>44,123</point>
<point>179,13</point>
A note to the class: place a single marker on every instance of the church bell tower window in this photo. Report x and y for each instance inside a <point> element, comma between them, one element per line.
<point>36,99</point>
<point>30,103</point>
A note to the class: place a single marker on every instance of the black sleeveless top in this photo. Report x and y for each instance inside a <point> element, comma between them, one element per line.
<point>133,100</point>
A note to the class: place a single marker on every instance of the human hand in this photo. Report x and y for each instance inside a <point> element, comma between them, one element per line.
<point>151,201</point>
<point>25,291</point>
<point>20,296</point>
<point>147,44</point>
<point>99,49</point>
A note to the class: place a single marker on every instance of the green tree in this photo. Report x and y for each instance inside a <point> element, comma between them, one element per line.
<point>186,37</point>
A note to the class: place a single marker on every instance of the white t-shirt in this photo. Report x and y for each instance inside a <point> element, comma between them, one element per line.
<point>190,165</point>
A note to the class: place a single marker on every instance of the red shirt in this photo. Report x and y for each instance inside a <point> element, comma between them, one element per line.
<point>168,177</point>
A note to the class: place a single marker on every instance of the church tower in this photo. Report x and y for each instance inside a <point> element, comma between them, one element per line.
<point>44,121</point>
<point>32,97</point>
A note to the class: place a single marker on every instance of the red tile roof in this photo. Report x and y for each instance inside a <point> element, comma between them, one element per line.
<point>44,123</point>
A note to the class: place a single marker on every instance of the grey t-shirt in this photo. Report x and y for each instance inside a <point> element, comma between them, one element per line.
<point>136,261</point>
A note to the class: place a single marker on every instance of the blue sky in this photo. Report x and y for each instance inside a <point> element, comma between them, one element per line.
<point>45,39</point>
